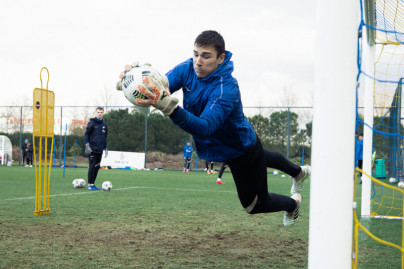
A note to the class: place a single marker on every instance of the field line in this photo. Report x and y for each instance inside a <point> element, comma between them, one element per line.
<point>120,189</point>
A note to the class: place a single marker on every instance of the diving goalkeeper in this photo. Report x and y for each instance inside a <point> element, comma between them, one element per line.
<point>213,114</point>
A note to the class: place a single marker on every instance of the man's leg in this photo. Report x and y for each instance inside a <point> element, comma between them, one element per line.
<point>91,171</point>
<point>250,175</point>
<point>219,178</point>
<point>276,160</point>
<point>98,157</point>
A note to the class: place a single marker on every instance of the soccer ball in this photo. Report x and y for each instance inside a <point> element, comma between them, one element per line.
<point>400,184</point>
<point>82,182</point>
<point>392,180</point>
<point>106,186</point>
<point>76,183</point>
<point>132,80</point>
<point>275,173</point>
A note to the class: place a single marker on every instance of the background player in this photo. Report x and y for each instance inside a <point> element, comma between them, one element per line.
<point>219,177</point>
<point>95,139</point>
<point>211,171</point>
<point>187,152</point>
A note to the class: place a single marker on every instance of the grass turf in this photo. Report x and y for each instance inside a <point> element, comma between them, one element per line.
<point>151,219</point>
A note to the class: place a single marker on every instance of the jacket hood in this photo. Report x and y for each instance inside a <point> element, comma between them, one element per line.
<point>95,119</point>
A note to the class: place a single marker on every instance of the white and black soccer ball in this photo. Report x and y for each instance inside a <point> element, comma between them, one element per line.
<point>392,180</point>
<point>132,80</point>
<point>76,183</point>
<point>82,182</point>
<point>400,184</point>
<point>107,186</point>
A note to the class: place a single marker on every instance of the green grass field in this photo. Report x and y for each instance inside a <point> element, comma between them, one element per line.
<point>155,219</point>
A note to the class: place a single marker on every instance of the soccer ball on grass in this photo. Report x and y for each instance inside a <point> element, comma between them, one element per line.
<point>400,184</point>
<point>106,186</point>
<point>82,182</point>
<point>76,183</point>
<point>392,180</point>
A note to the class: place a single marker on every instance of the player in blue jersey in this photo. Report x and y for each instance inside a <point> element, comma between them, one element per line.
<point>212,113</point>
<point>187,153</point>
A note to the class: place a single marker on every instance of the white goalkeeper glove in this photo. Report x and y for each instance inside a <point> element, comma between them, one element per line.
<point>129,67</point>
<point>158,95</point>
<point>88,150</point>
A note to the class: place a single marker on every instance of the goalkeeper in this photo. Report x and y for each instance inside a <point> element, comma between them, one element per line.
<point>213,114</point>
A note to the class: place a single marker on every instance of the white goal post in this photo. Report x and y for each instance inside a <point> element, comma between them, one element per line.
<point>333,150</point>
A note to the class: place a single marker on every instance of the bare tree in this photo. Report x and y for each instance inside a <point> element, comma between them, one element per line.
<point>288,97</point>
<point>10,117</point>
<point>80,120</point>
<point>26,113</point>
<point>107,97</point>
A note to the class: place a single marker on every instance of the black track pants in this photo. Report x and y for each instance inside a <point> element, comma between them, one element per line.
<point>250,175</point>
<point>94,166</point>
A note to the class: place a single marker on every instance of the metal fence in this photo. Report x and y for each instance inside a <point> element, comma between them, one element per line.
<point>16,121</point>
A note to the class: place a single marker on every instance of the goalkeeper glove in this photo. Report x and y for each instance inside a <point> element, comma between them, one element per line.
<point>105,153</point>
<point>159,97</point>
<point>88,150</point>
<point>127,68</point>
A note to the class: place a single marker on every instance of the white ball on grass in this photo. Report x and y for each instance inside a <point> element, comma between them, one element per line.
<point>107,186</point>
<point>76,183</point>
<point>392,180</point>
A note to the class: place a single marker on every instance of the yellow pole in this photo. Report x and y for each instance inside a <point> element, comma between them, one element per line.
<point>43,113</point>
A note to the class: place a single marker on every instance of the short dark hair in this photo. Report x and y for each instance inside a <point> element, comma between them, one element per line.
<point>210,37</point>
<point>99,108</point>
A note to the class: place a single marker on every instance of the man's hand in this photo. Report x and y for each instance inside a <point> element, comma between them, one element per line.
<point>159,96</point>
<point>127,68</point>
<point>88,150</point>
<point>105,153</point>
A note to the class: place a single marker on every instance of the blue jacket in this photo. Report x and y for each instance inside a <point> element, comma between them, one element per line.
<point>187,152</point>
<point>96,135</point>
<point>213,112</point>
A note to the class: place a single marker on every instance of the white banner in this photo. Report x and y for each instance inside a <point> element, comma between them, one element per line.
<point>122,159</point>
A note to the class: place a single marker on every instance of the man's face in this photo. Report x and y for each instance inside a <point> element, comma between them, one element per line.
<point>206,61</point>
<point>99,113</point>
<point>360,138</point>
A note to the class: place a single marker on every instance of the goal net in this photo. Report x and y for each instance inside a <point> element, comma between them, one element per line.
<point>6,150</point>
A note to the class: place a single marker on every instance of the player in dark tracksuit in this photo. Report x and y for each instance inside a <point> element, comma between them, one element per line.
<point>95,139</point>
<point>30,151</point>
<point>24,149</point>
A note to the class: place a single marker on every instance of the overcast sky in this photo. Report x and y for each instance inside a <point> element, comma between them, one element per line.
<point>85,45</point>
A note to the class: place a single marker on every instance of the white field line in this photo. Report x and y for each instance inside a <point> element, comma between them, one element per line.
<point>120,189</point>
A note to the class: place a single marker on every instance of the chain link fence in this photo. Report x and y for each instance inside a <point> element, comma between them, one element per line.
<point>285,129</point>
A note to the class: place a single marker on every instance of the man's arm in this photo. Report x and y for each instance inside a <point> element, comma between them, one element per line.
<point>215,113</point>
<point>88,132</point>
